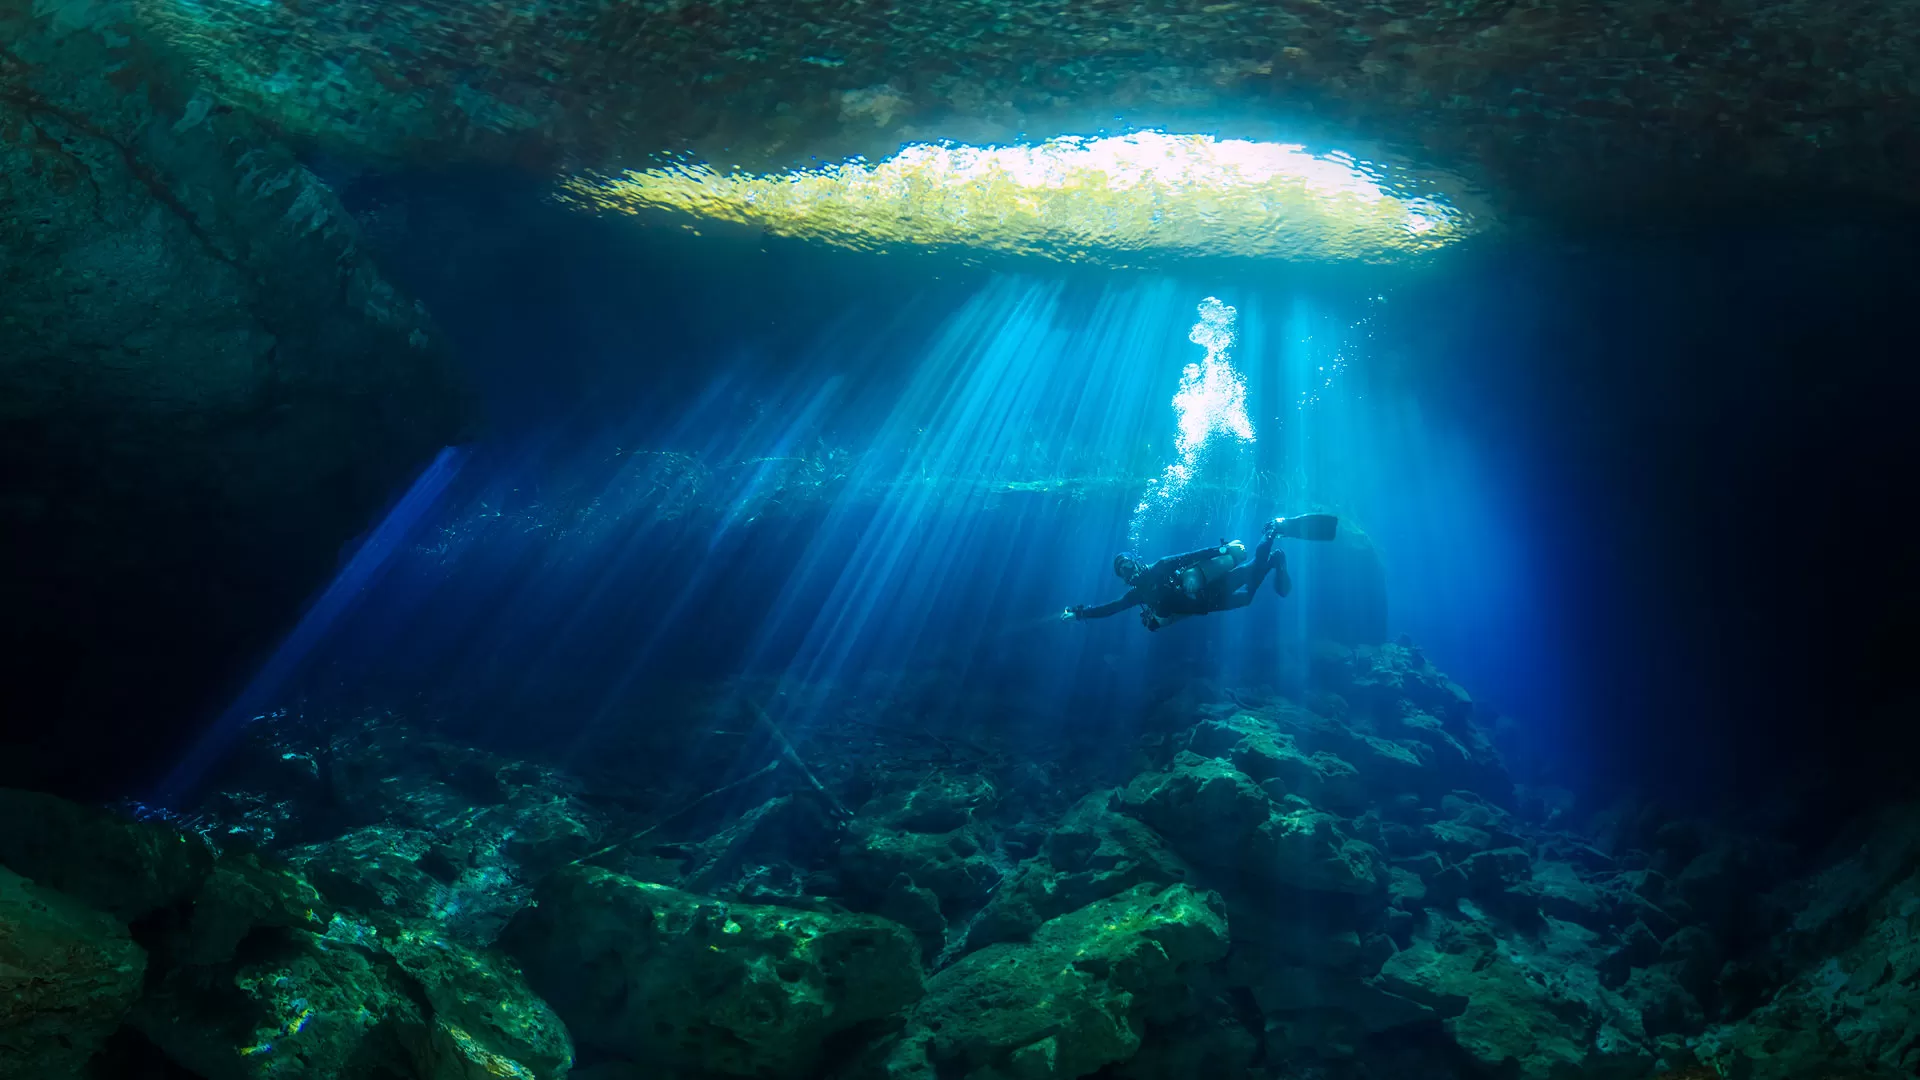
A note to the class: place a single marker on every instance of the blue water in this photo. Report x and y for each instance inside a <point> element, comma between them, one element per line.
<point>706,460</point>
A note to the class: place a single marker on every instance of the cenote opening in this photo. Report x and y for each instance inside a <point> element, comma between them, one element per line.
<point>682,544</point>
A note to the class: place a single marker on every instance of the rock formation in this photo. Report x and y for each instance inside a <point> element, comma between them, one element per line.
<point>1273,891</point>
<point>206,388</point>
<point>1559,108</point>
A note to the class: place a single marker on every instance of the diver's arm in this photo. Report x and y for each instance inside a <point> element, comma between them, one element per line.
<point>1101,611</point>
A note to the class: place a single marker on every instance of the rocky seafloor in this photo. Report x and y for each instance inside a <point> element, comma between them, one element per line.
<point>1349,886</point>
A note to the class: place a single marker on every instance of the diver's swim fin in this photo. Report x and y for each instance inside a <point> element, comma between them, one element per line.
<point>1306,526</point>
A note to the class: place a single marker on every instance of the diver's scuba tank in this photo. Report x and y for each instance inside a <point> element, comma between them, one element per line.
<point>1196,579</point>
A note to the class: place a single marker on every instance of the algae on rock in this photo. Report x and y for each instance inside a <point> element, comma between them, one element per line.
<point>665,977</point>
<point>1071,1002</point>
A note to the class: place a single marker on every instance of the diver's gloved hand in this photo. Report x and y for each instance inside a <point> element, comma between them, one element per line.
<point>1072,613</point>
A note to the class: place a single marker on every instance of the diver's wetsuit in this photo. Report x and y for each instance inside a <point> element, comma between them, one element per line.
<point>1158,587</point>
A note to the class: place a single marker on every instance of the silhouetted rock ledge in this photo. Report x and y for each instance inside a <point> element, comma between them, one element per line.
<point>206,388</point>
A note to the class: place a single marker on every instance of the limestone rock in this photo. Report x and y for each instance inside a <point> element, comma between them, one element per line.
<point>934,829</point>
<point>242,895</point>
<point>67,975</point>
<point>1854,1010</point>
<point>198,363</point>
<point>1216,816</point>
<point>128,869</point>
<point>1532,1007</point>
<point>1749,95</point>
<point>1072,1001</point>
<point>684,982</point>
<point>352,1003</point>
<point>1094,853</point>
<point>1213,1042</point>
<point>952,866</point>
<point>1272,758</point>
<point>486,1020</point>
<point>313,1007</point>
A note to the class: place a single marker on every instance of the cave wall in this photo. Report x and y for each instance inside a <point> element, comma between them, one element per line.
<point>206,390</point>
<point>1559,109</point>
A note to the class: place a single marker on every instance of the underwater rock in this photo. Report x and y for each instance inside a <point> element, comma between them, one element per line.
<point>1092,854</point>
<point>68,974</point>
<point>1216,816</point>
<point>1071,1002</point>
<point>404,825</point>
<point>1213,1042</point>
<point>352,1004</point>
<point>793,832</point>
<point>311,1007</point>
<point>128,869</point>
<point>601,84</point>
<point>684,982</point>
<point>1410,703</point>
<point>243,895</point>
<point>197,905</point>
<point>206,387</point>
<point>936,832</point>
<point>1557,889</point>
<point>1272,759</point>
<point>378,872</point>
<point>1851,1003</point>
<point>1531,1006</point>
<point>486,1021</point>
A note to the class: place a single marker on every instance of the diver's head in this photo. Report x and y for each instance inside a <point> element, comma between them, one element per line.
<point>1127,566</point>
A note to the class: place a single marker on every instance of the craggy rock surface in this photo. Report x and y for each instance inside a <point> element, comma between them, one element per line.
<point>1558,108</point>
<point>205,386</point>
<point>67,976</point>
<point>1851,942</point>
<point>1256,890</point>
<point>664,977</point>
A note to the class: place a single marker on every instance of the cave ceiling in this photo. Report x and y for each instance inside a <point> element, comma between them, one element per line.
<point>1565,110</point>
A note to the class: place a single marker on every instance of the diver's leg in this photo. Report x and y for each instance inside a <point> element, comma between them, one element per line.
<point>1238,599</point>
<point>1282,584</point>
<point>1263,561</point>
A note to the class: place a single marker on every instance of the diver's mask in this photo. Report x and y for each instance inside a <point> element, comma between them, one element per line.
<point>1127,566</point>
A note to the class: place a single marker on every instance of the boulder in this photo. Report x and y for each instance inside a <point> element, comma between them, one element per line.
<point>128,869</point>
<point>1094,853</point>
<point>242,895</point>
<point>1213,1042</point>
<point>1216,816</point>
<point>1526,1007</point>
<point>1074,1000</point>
<point>689,983</point>
<point>68,974</point>
<point>1273,759</point>
<point>952,866</point>
<point>1853,1010</point>
<point>486,1021</point>
<point>932,829</point>
<point>311,1007</point>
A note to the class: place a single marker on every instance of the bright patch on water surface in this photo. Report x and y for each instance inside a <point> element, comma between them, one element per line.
<point>1125,199</point>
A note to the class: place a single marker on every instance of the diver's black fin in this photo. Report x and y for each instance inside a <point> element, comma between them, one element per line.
<point>1307,527</point>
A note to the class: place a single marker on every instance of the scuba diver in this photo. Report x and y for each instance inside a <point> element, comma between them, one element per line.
<point>1201,582</point>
